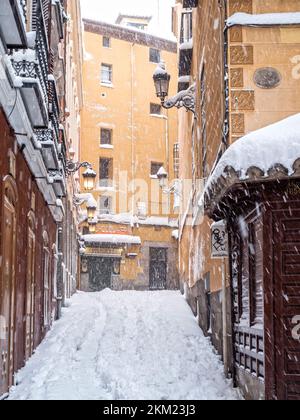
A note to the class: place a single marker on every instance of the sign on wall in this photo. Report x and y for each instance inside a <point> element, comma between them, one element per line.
<point>219,240</point>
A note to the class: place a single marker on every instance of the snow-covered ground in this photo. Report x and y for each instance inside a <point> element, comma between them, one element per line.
<point>124,345</point>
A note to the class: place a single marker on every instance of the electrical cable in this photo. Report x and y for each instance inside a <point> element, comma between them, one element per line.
<point>14,107</point>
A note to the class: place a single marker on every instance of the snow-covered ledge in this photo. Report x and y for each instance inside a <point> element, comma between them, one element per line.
<point>112,239</point>
<point>264,19</point>
<point>270,153</point>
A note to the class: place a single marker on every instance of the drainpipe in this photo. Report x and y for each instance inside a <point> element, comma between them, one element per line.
<point>132,132</point>
<point>228,366</point>
<point>60,275</point>
<point>224,316</point>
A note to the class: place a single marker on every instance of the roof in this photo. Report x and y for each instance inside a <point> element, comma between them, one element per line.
<point>270,153</point>
<point>264,19</point>
<point>131,35</point>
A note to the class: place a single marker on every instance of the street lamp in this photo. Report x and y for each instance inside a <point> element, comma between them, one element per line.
<point>162,176</point>
<point>91,211</point>
<point>92,225</point>
<point>161,82</point>
<point>184,99</point>
<point>89,177</point>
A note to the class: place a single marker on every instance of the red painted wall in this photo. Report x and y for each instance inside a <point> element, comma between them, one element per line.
<point>44,222</point>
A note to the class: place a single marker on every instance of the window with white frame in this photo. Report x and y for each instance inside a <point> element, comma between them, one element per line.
<point>106,73</point>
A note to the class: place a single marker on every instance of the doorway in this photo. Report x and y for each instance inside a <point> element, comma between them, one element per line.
<point>30,290</point>
<point>7,285</point>
<point>158,268</point>
<point>100,273</point>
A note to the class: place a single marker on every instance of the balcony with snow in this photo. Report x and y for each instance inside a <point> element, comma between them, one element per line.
<point>13,23</point>
<point>29,71</point>
<point>49,148</point>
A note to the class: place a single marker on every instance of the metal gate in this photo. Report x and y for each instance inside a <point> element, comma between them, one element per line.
<point>100,273</point>
<point>158,268</point>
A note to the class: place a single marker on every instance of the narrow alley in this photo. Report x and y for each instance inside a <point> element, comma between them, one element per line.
<point>124,346</point>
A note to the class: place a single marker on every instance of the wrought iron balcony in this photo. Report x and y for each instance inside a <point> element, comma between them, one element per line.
<point>59,183</point>
<point>31,67</point>
<point>34,91</point>
<point>49,148</point>
<point>13,23</point>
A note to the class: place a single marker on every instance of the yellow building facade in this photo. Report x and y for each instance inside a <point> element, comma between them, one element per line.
<point>127,137</point>
<point>246,78</point>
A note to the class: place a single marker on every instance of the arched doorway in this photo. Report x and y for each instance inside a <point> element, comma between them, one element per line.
<point>30,288</point>
<point>7,282</point>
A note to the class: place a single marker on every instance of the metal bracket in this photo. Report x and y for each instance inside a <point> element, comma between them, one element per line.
<point>184,99</point>
<point>72,167</point>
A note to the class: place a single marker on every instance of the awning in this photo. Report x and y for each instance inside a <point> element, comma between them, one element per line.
<point>270,153</point>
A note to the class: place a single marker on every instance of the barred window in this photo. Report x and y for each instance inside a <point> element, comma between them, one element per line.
<point>176,160</point>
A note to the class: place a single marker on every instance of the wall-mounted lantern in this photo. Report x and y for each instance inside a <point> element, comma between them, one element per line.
<point>89,177</point>
<point>92,225</point>
<point>184,99</point>
<point>91,211</point>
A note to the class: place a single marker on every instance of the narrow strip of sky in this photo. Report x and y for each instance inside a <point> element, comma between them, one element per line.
<point>108,11</point>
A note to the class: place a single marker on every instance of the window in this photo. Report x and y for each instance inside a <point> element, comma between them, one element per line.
<point>155,109</point>
<point>186,27</point>
<point>105,205</point>
<point>106,73</point>
<point>154,55</point>
<point>140,26</point>
<point>106,172</point>
<point>155,167</point>
<point>106,136</point>
<point>106,42</point>
<point>251,283</point>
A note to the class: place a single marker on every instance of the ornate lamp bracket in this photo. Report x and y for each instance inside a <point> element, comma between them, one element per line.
<point>73,167</point>
<point>184,99</point>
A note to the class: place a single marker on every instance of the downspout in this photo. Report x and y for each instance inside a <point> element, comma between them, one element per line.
<point>225,141</point>
<point>60,275</point>
<point>132,133</point>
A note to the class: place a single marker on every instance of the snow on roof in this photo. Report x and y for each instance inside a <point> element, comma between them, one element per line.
<point>264,149</point>
<point>132,16</point>
<point>265,19</point>
<point>128,219</point>
<point>152,32</point>
<point>112,239</point>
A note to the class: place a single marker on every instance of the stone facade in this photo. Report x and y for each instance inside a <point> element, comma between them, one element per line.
<point>142,138</point>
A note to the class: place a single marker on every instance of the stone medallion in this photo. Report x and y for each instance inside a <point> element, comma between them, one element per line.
<point>267,78</point>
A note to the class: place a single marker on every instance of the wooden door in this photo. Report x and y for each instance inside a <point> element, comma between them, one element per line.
<point>158,268</point>
<point>30,295</point>
<point>7,298</point>
<point>286,305</point>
